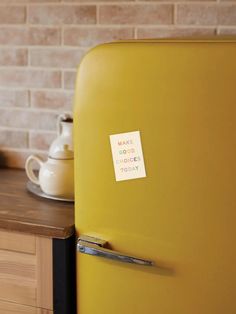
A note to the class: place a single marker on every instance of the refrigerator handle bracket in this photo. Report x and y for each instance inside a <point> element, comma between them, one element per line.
<point>97,247</point>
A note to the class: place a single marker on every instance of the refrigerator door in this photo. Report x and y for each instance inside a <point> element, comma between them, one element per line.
<point>170,107</point>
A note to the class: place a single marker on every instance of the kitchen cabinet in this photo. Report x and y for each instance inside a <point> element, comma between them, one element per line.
<point>37,251</point>
<point>25,271</point>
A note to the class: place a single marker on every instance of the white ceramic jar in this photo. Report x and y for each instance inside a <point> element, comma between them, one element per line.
<point>56,175</point>
<point>64,137</point>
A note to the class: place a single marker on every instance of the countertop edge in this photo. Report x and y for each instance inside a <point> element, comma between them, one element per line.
<point>36,229</point>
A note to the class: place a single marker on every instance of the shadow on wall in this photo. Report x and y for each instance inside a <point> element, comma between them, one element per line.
<point>3,161</point>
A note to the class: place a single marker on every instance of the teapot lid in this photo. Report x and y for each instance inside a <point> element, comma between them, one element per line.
<point>66,117</point>
<point>61,152</point>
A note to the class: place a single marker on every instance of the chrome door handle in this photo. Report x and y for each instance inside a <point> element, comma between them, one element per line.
<point>94,246</point>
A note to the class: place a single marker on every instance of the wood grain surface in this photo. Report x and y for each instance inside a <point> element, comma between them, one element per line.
<point>26,275</point>
<point>18,277</point>
<point>14,308</point>
<point>22,211</point>
<point>20,242</point>
<point>44,273</point>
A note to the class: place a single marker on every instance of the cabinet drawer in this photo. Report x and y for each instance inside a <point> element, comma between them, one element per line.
<point>16,241</point>
<point>26,270</point>
<point>13,308</point>
<point>18,277</point>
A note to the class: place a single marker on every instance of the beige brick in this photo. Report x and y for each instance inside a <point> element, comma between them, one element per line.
<point>187,1</point>
<point>88,1</point>
<point>197,14</point>
<point>87,37</point>
<point>29,1</point>
<point>227,14</point>
<point>52,99</point>
<point>156,32</point>
<point>29,36</point>
<point>15,139</point>
<point>56,57</point>
<point>12,14</point>
<point>41,140</point>
<point>30,78</point>
<point>26,119</point>
<point>44,36</point>
<point>14,98</point>
<point>11,56</point>
<point>62,14</point>
<point>43,1</point>
<point>136,14</point>
<point>227,31</point>
<point>69,79</point>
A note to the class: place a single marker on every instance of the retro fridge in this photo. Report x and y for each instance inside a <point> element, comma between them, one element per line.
<point>155,176</point>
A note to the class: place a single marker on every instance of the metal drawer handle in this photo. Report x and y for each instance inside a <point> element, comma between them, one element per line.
<point>94,246</point>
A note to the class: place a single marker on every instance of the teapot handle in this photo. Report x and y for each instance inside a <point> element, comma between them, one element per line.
<point>61,117</point>
<point>29,170</point>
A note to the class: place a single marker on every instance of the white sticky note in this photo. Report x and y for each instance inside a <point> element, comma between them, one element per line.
<point>127,156</point>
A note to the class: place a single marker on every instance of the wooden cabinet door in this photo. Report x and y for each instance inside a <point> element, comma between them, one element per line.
<point>25,273</point>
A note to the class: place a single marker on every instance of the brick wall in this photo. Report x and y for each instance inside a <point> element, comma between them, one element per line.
<point>42,42</point>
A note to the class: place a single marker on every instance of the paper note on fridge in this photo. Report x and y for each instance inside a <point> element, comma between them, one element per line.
<point>127,156</point>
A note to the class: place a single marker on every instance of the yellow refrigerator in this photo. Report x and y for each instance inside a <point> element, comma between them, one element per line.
<point>155,177</point>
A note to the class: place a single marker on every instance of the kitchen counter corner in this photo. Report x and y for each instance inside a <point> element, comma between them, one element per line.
<point>22,211</point>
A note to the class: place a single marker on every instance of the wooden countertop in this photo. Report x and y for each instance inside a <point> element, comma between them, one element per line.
<point>22,211</point>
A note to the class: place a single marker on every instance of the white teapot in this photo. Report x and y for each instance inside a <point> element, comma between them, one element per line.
<point>64,137</point>
<point>56,175</point>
